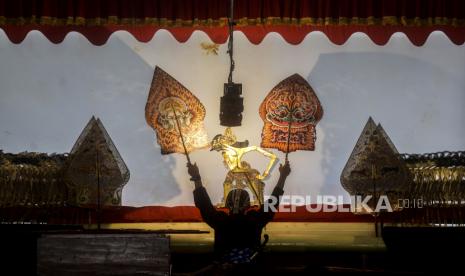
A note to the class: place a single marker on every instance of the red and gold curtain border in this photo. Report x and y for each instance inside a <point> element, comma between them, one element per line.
<point>380,35</point>
<point>292,19</point>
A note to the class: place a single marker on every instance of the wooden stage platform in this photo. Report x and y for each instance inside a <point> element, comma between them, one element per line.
<point>284,236</point>
<point>294,248</point>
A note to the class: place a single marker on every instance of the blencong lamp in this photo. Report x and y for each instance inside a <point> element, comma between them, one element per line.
<point>232,104</point>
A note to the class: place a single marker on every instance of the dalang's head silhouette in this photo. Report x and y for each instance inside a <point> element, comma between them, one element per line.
<point>238,201</point>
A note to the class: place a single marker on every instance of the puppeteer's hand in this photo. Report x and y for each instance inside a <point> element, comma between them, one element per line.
<point>284,170</point>
<point>193,171</point>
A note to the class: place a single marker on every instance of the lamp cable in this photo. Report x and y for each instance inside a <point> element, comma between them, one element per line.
<point>231,40</point>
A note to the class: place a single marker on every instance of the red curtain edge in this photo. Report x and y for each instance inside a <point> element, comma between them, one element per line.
<point>294,35</point>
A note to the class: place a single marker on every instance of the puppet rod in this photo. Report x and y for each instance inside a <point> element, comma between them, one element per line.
<point>373,179</point>
<point>97,174</point>
<point>180,134</point>
<point>253,189</point>
<point>291,116</point>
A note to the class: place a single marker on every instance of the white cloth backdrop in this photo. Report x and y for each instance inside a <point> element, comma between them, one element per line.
<point>48,93</point>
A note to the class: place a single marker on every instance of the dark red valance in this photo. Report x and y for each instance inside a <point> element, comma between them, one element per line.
<point>293,19</point>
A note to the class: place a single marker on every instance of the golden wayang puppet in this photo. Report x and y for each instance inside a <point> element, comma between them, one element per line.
<point>241,175</point>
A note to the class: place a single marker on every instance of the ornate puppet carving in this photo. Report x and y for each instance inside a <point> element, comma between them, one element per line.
<point>94,158</point>
<point>241,174</point>
<point>167,102</point>
<point>290,103</point>
<point>375,165</point>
